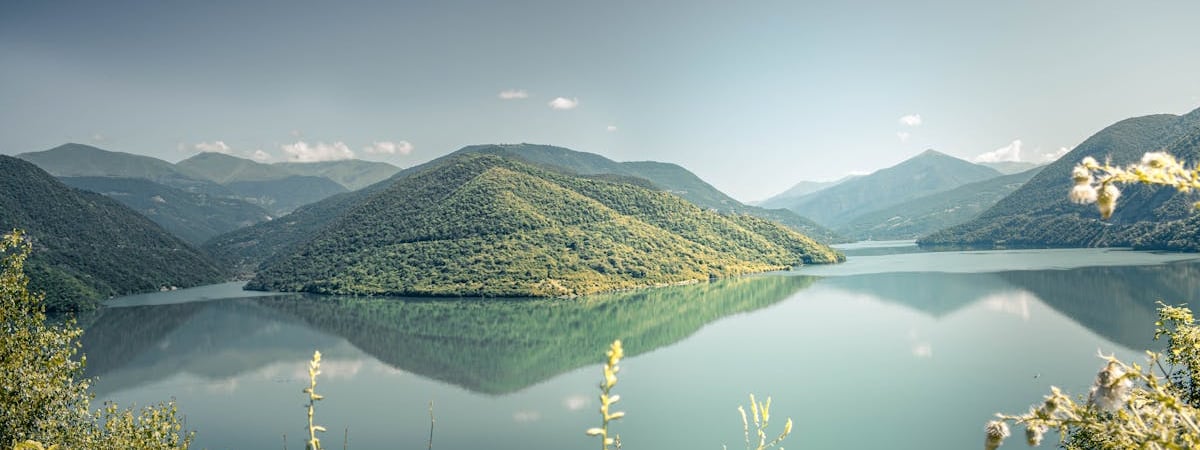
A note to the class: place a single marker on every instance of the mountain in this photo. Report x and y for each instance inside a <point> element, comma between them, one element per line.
<point>353,174</point>
<point>1010,167</point>
<point>927,173</point>
<point>194,217</point>
<point>485,225</point>
<point>665,176</point>
<point>1039,215</point>
<point>222,168</point>
<point>273,187</point>
<point>89,247</point>
<point>78,160</point>
<point>801,189</point>
<point>924,215</point>
<point>246,248</point>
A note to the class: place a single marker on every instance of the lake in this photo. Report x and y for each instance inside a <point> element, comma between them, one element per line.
<point>896,349</point>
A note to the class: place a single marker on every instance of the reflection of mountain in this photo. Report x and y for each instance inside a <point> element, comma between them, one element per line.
<point>934,293</point>
<point>1119,303</point>
<point>133,346</point>
<point>501,347</point>
<point>490,347</point>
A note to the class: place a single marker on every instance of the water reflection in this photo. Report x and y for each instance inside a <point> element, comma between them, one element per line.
<point>492,347</point>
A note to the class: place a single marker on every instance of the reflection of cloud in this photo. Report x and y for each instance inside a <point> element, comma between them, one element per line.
<point>526,416</point>
<point>923,350</point>
<point>226,386</point>
<point>332,369</point>
<point>1015,303</point>
<point>576,402</point>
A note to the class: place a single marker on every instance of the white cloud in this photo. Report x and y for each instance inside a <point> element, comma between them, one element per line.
<point>1053,156</point>
<point>1010,152</point>
<point>564,103</point>
<point>98,138</point>
<point>389,148</point>
<point>611,128</point>
<point>903,135</point>
<point>261,156</point>
<point>576,402</point>
<point>303,152</point>
<point>214,146</point>
<point>513,94</point>
<point>912,120</point>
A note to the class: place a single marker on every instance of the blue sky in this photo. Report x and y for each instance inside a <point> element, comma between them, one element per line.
<point>752,96</point>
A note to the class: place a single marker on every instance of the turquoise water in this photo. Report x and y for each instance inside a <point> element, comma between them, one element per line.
<point>894,349</point>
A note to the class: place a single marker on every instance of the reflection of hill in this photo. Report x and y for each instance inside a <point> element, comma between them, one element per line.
<point>1118,303</point>
<point>934,293</point>
<point>131,346</point>
<point>497,347</point>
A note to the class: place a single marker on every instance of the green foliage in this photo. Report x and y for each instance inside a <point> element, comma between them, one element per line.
<point>193,217</point>
<point>90,247</point>
<point>43,398</point>
<point>78,160</point>
<point>284,195</point>
<point>354,174</point>
<point>489,226</point>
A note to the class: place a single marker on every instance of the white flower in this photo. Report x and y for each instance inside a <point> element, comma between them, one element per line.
<point>1106,200</point>
<point>1081,175</point>
<point>1082,194</point>
<point>996,431</point>
<point>1110,391</point>
<point>1157,160</point>
<point>1089,162</point>
<point>1033,434</point>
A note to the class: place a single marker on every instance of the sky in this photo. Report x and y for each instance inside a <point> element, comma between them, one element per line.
<point>752,96</point>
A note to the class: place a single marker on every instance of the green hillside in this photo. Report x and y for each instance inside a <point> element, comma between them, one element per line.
<point>924,215</point>
<point>665,176</point>
<point>272,187</point>
<point>1039,215</point>
<point>492,226</point>
<point>353,174</point>
<point>927,173</point>
<point>193,217</point>
<point>88,247</point>
<point>222,168</point>
<point>801,189</point>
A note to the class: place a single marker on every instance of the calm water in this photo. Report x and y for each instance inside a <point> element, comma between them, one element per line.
<point>894,349</point>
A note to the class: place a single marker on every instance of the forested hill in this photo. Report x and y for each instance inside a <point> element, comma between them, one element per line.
<point>1039,214</point>
<point>89,247</point>
<point>665,176</point>
<point>494,226</point>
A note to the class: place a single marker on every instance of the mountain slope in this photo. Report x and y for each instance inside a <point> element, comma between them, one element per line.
<point>78,160</point>
<point>924,215</point>
<point>1011,167</point>
<point>193,217</point>
<point>1038,214</point>
<point>89,247</point>
<point>665,176</point>
<point>353,174</point>
<point>273,187</point>
<point>488,225</point>
<point>801,189</point>
<point>924,174</point>
<point>222,168</point>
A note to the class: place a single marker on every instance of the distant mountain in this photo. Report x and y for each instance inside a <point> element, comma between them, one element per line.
<point>924,215</point>
<point>194,217</point>
<point>78,160</point>
<point>494,226</point>
<point>353,174</point>
<point>665,176</point>
<point>88,247</point>
<point>801,189</point>
<point>928,173</point>
<point>1039,215</point>
<point>1011,167</point>
<point>223,169</point>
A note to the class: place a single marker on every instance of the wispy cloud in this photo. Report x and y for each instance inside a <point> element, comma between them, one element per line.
<point>1054,155</point>
<point>903,135</point>
<point>912,120</point>
<point>564,103</point>
<point>1010,152</point>
<point>611,128</point>
<point>99,138</point>
<point>513,94</point>
<point>214,147</point>
<point>389,148</point>
<point>261,156</point>
<point>304,152</point>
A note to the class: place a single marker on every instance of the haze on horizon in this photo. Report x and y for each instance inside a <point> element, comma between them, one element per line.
<point>750,97</point>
